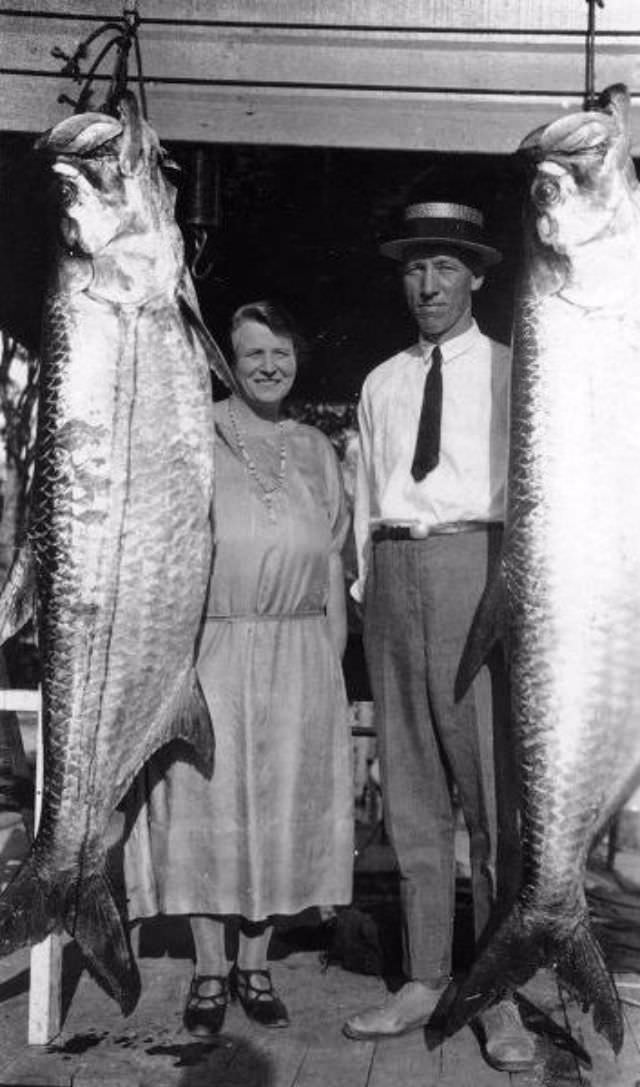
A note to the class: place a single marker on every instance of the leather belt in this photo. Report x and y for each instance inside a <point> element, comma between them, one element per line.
<point>445,528</point>
<point>264,617</point>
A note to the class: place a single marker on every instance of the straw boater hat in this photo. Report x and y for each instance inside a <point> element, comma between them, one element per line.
<point>436,222</point>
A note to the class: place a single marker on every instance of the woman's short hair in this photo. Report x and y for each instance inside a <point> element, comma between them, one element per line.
<point>276,318</point>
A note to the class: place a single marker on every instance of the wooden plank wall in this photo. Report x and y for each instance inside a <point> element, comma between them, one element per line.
<point>442,75</point>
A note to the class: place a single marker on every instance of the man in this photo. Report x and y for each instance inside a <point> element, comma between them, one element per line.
<point>429,507</point>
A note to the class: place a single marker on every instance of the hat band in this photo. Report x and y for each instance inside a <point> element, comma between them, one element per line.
<point>444,211</point>
<point>456,230</point>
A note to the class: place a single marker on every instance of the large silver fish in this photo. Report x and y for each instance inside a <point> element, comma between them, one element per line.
<point>120,532</point>
<point>569,589</point>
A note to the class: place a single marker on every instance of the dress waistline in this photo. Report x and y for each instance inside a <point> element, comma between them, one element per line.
<point>261,617</point>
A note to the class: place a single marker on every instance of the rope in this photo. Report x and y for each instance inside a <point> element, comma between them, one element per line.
<point>124,36</point>
<point>590,97</point>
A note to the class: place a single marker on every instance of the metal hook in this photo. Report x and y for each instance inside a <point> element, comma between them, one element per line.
<point>202,207</point>
<point>590,97</point>
<point>200,239</point>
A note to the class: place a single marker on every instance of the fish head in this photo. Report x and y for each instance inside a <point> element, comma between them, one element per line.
<point>582,188</point>
<point>80,152</point>
<point>114,200</point>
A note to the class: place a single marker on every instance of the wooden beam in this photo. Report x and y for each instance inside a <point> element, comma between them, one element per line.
<point>475,15</point>
<point>44,1016</point>
<point>303,56</point>
<point>416,74</point>
<point>25,701</point>
<point>45,974</point>
<point>493,124</point>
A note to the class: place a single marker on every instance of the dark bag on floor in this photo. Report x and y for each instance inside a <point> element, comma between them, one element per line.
<point>355,943</point>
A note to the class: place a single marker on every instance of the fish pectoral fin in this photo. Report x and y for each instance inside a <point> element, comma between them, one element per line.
<point>217,362</point>
<point>17,598</point>
<point>94,920</point>
<point>488,629</point>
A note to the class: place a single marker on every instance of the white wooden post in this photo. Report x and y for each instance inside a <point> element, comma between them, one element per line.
<point>46,957</point>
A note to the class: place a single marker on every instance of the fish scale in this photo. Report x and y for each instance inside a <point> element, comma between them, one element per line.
<point>121,532</point>
<point>567,597</point>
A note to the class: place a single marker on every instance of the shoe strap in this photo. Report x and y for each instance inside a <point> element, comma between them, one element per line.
<point>252,992</point>
<point>197,980</point>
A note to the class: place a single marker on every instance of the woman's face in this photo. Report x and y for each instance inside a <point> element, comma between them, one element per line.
<point>264,364</point>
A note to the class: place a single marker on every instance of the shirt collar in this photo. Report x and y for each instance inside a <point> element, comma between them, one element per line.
<point>450,349</point>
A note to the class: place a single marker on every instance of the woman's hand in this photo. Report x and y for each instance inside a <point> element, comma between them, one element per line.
<point>336,605</point>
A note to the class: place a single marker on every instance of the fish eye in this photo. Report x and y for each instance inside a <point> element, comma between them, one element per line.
<point>67,192</point>
<point>545,191</point>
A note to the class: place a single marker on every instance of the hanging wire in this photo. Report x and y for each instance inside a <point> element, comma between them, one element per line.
<point>124,35</point>
<point>590,96</point>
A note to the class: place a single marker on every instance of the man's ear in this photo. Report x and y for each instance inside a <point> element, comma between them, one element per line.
<point>477,282</point>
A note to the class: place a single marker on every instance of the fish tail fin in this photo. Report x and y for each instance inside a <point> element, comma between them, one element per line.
<point>488,629</point>
<point>93,918</point>
<point>522,945</point>
<point>580,965</point>
<point>26,915</point>
<point>510,958</point>
<point>31,908</point>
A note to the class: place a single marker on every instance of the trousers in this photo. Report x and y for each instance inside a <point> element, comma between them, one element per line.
<point>420,600</point>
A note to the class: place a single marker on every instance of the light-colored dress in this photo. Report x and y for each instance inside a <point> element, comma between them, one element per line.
<point>272,831</point>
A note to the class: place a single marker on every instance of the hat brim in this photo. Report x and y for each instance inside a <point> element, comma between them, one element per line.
<point>397,248</point>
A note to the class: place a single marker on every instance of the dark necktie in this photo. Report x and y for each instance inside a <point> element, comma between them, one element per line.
<point>427,451</point>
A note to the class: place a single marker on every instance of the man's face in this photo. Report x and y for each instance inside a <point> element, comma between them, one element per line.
<point>438,283</point>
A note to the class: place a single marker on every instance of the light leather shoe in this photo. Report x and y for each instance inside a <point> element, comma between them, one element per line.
<point>508,1045</point>
<point>406,1010</point>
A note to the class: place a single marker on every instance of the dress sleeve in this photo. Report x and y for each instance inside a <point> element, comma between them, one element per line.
<point>339,515</point>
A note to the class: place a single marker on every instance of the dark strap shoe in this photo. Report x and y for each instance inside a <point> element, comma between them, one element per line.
<point>204,1013</point>
<point>261,1003</point>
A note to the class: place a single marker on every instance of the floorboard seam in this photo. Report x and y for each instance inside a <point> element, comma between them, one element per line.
<point>370,1068</point>
<point>300,1066</point>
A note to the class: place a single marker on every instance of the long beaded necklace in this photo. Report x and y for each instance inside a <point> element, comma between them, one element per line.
<point>266,490</point>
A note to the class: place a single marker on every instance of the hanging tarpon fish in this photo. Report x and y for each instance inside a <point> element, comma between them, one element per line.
<point>120,532</point>
<point>569,590</point>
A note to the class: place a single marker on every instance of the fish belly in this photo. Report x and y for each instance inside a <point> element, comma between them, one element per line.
<point>122,540</point>
<point>573,573</point>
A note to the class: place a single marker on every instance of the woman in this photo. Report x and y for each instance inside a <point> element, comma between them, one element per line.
<point>272,832</point>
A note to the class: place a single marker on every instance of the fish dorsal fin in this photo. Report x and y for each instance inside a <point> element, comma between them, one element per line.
<point>17,599</point>
<point>488,629</point>
<point>186,717</point>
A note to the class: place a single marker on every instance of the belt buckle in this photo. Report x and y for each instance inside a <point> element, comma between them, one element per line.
<point>419,531</point>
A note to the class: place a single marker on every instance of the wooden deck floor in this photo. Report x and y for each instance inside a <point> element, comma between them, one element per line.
<point>99,1048</point>
<point>150,1049</point>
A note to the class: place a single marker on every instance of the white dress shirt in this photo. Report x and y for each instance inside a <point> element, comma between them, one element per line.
<point>469,481</point>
